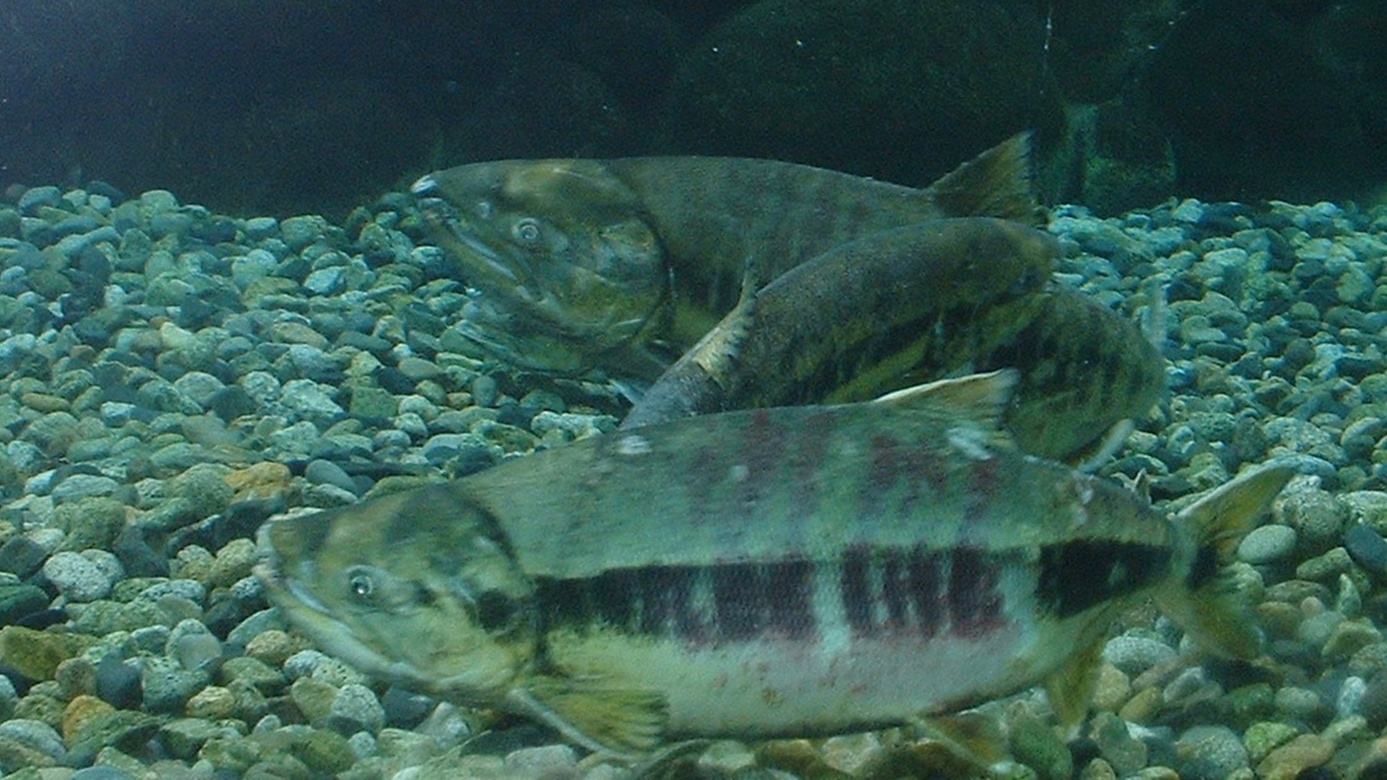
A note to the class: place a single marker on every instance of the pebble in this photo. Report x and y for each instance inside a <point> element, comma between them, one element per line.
<point>1299,754</point>
<point>77,577</point>
<point>547,761</point>
<point>38,743</point>
<point>1134,655</point>
<point>168,685</point>
<point>1367,548</point>
<point>326,472</point>
<point>1210,753</point>
<point>355,708</point>
<point>20,600</point>
<point>1267,544</point>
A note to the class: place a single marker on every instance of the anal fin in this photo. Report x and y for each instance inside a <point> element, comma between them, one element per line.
<point>973,737</point>
<point>1070,688</point>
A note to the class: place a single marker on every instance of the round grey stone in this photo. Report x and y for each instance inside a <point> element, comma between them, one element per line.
<point>36,197</point>
<point>259,228</point>
<point>199,386</point>
<point>355,708</point>
<point>325,472</point>
<point>1367,548</point>
<point>36,735</point>
<point>191,590</point>
<point>1267,544</point>
<point>9,698</point>
<point>158,202</point>
<point>311,402</point>
<point>418,368</point>
<point>167,685</point>
<point>1135,654</point>
<point>313,363</point>
<point>77,578</point>
<point>299,232</point>
<point>1210,753</point>
<point>82,486</point>
<point>192,645</point>
<point>326,281</point>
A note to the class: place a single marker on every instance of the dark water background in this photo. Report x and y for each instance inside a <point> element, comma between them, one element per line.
<point>316,106</point>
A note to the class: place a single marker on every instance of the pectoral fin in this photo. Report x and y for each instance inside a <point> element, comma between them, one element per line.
<point>619,722</point>
<point>715,351</point>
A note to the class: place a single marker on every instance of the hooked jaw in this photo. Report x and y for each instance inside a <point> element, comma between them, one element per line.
<point>475,684</point>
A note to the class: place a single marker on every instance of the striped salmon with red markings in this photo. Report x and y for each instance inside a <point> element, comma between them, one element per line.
<point>667,581</point>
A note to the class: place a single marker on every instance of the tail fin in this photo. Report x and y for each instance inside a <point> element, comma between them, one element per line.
<point>996,183</point>
<point>1205,602</point>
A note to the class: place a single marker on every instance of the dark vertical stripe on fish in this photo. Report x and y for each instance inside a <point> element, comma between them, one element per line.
<point>739,595</point>
<point>740,602</point>
<point>855,589</point>
<point>1081,574</point>
<point>789,598</point>
<point>894,588</point>
<point>613,596</point>
<point>926,590</point>
<point>666,601</point>
<point>975,605</point>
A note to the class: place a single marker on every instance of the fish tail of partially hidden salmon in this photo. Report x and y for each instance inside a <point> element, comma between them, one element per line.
<point>996,183</point>
<point>1203,599</point>
<point>1205,602</point>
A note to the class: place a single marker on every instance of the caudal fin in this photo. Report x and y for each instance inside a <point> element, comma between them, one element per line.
<point>1205,602</point>
<point>996,183</point>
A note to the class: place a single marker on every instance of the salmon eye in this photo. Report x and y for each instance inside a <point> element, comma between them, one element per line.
<point>360,585</point>
<point>497,613</point>
<point>526,231</point>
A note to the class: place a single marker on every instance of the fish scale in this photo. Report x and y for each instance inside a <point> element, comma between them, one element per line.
<point>668,581</point>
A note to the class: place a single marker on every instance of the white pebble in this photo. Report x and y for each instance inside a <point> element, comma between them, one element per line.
<point>77,578</point>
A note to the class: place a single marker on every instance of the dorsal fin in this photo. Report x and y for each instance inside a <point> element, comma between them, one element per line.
<point>982,398</point>
<point>996,183</point>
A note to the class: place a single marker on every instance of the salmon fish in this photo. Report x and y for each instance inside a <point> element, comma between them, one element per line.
<point>623,264</point>
<point>785,571</point>
<point>860,286</point>
<point>831,330</point>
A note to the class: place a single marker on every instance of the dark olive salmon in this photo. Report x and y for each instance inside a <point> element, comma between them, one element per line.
<point>912,304</point>
<point>623,264</point>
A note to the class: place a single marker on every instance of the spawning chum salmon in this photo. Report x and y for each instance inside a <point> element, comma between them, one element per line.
<point>786,571</point>
<point>587,263</point>
<point>625,264</point>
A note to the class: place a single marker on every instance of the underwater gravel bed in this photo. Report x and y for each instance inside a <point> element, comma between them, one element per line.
<point>172,378</point>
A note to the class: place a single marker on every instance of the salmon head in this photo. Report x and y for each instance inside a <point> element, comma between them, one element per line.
<point>568,267</point>
<point>409,589</point>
